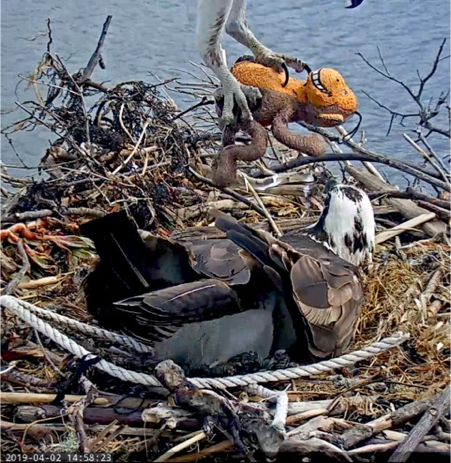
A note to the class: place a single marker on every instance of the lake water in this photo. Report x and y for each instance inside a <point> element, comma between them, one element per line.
<point>159,36</point>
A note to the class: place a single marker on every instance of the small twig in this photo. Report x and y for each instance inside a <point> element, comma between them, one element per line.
<point>224,446</point>
<point>76,413</point>
<point>227,191</point>
<point>415,171</point>
<point>410,193</point>
<point>47,357</point>
<point>205,101</point>
<point>362,432</point>
<point>121,122</point>
<point>432,284</point>
<point>443,213</point>
<point>273,224</point>
<point>10,367</point>
<point>369,167</point>
<point>22,272</point>
<point>198,437</point>
<point>427,157</point>
<point>82,211</point>
<point>49,34</point>
<point>431,151</point>
<point>135,148</point>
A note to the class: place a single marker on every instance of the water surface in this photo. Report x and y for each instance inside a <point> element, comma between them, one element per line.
<point>159,36</point>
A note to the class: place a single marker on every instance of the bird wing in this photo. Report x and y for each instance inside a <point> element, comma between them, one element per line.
<point>220,258</point>
<point>158,315</point>
<point>329,296</point>
<point>326,289</point>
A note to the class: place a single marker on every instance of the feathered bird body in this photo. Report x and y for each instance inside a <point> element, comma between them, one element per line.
<point>216,299</point>
<point>347,224</point>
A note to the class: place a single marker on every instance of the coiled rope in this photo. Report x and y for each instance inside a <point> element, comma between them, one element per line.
<point>29,314</point>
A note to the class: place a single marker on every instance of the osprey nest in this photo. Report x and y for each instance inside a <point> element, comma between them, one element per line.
<point>70,387</point>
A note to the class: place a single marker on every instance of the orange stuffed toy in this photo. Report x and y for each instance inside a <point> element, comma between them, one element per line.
<point>323,100</point>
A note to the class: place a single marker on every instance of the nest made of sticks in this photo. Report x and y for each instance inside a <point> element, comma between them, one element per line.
<point>129,146</point>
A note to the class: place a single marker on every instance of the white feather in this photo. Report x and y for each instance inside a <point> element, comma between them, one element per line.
<point>339,224</point>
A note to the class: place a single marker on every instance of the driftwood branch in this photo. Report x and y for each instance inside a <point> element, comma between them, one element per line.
<point>362,432</point>
<point>429,419</point>
<point>411,193</point>
<point>368,156</point>
<point>97,56</point>
<point>406,207</point>
<point>404,227</point>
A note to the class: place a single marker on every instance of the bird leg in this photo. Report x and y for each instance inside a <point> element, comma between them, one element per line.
<point>237,27</point>
<point>313,145</point>
<point>212,16</point>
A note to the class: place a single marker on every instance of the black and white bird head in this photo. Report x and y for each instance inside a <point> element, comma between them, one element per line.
<point>346,225</point>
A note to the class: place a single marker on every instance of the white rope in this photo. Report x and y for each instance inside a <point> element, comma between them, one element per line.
<point>11,303</point>
<point>83,328</point>
<point>21,310</point>
<point>281,398</point>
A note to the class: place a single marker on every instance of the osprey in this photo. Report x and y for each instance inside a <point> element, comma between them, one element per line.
<point>346,225</point>
<point>208,301</point>
<point>213,17</point>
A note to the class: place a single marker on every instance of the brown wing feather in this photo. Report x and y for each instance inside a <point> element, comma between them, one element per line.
<point>325,288</point>
<point>220,258</point>
<point>329,303</point>
<point>158,315</point>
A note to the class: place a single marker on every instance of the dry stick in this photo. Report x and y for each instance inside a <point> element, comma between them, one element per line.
<point>363,154</point>
<point>205,101</point>
<point>371,169</point>
<point>10,367</point>
<point>135,148</point>
<point>24,269</point>
<point>260,202</point>
<point>83,107</point>
<point>25,379</point>
<point>362,432</point>
<point>443,213</point>
<point>97,443</point>
<point>406,226</point>
<point>96,56</point>
<point>47,357</point>
<point>121,122</point>
<point>432,284</point>
<point>431,151</point>
<point>428,420</point>
<point>32,215</point>
<point>223,446</point>
<point>196,438</point>
<point>411,193</point>
<point>409,168</point>
<point>405,206</point>
<point>124,430</point>
<point>227,191</point>
<point>29,215</point>
<point>17,398</point>
<point>382,445</point>
<point>110,437</point>
<point>416,172</point>
<point>66,137</point>
<point>427,157</point>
